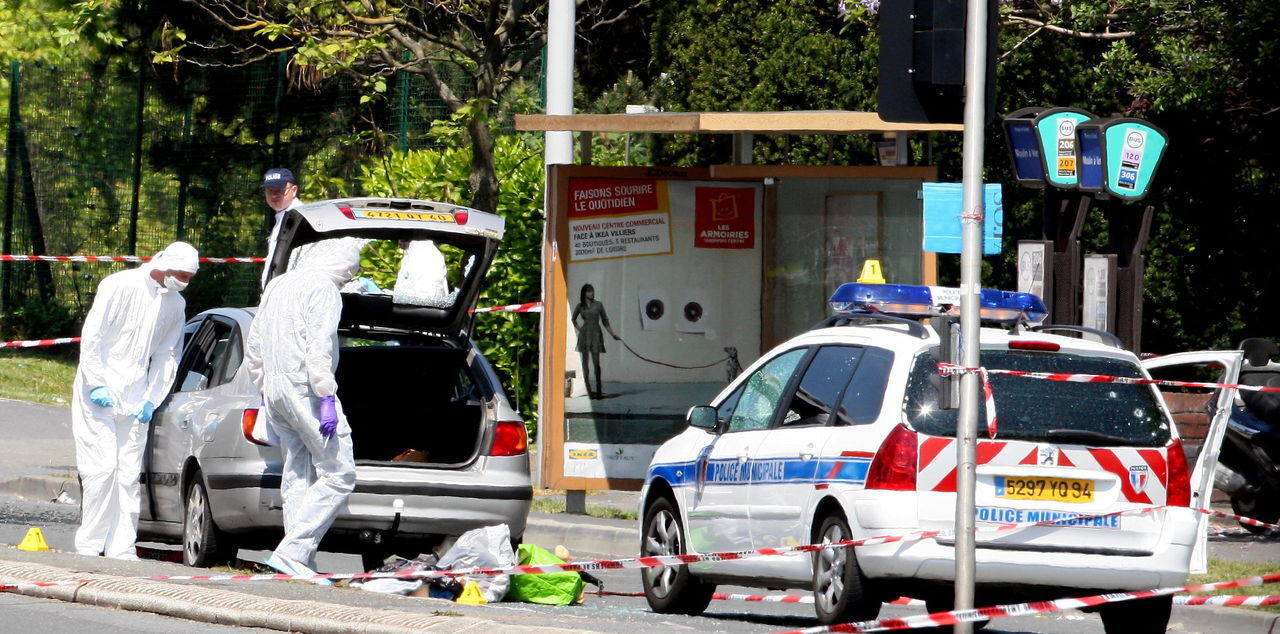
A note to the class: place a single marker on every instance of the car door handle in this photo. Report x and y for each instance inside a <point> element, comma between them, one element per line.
<point>184,422</point>
<point>742,457</point>
<point>806,455</point>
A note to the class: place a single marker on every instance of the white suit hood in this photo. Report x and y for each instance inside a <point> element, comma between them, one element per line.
<point>178,256</point>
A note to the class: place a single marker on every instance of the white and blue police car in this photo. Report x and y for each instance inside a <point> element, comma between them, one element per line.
<point>848,431</point>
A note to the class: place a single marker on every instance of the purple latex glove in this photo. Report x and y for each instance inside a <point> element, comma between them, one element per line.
<point>328,417</point>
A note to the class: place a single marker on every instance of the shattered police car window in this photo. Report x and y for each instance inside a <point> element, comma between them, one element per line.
<point>1058,411</point>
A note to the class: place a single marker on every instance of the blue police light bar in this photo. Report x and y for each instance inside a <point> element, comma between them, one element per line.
<point>905,300</point>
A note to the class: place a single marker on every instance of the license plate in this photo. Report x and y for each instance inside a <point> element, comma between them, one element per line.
<point>1044,489</point>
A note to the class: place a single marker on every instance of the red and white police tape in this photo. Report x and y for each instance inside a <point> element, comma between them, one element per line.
<point>1252,600</point>
<point>949,368</point>
<point>112,258</point>
<point>32,343</point>
<point>530,307</point>
<point>652,561</point>
<point>1022,609</point>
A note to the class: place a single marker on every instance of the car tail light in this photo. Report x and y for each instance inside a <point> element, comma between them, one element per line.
<point>460,217</point>
<point>1042,346</point>
<point>248,420</point>
<point>509,439</point>
<point>346,211</point>
<point>894,467</point>
<point>1179,487</point>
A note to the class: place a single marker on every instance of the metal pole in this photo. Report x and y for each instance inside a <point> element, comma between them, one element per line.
<point>558,150</point>
<point>137,157</point>
<point>970,282</point>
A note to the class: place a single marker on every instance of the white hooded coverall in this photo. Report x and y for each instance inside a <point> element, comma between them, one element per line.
<point>291,354</point>
<point>130,345</point>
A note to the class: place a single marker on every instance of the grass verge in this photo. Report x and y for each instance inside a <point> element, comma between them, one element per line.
<point>543,503</point>
<point>1220,570</point>
<point>35,377</point>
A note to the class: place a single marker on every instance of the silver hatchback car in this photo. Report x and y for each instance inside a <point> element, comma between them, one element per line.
<point>439,449</point>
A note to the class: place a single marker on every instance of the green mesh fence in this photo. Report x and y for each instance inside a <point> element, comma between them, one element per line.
<point>101,159</point>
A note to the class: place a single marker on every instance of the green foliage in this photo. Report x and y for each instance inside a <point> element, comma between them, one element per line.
<point>758,55</point>
<point>508,340</point>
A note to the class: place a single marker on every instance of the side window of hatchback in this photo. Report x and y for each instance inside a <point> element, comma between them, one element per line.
<point>764,392</point>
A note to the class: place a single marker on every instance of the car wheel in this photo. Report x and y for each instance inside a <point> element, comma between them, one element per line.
<point>1142,616</point>
<point>1258,507</point>
<point>670,589</point>
<point>839,588</point>
<point>203,544</point>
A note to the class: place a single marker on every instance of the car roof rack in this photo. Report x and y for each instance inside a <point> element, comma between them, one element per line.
<point>1103,336</point>
<point>863,318</point>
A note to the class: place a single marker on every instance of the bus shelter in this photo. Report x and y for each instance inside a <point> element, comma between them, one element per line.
<point>661,283</point>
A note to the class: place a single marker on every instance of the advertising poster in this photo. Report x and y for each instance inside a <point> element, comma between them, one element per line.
<point>659,276</point>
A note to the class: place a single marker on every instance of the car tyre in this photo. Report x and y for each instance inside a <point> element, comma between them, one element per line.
<point>839,587</point>
<point>1258,507</point>
<point>670,589</point>
<point>1141,616</point>
<point>203,543</point>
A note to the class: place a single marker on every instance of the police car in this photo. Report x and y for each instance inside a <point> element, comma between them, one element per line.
<point>848,431</point>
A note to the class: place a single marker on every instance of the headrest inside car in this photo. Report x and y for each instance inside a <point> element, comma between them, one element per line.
<point>1258,351</point>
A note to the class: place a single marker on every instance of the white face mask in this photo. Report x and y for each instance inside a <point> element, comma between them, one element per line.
<point>174,284</point>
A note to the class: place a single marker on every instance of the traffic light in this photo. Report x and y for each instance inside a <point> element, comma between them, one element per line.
<point>922,60</point>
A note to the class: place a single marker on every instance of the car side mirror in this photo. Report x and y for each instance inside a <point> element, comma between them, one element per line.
<point>703,417</point>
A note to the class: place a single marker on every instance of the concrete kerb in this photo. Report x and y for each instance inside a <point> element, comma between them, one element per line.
<point>225,607</point>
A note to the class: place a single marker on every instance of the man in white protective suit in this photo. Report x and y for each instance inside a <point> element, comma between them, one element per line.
<point>292,352</point>
<point>129,352</point>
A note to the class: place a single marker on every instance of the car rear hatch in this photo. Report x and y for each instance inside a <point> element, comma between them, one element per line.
<point>461,241</point>
<point>1062,449</point>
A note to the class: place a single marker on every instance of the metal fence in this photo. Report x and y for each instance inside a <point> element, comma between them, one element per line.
<point>113,158</point>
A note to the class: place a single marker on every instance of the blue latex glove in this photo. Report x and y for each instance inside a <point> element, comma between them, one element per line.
<point>328,416</point>
<point>145,412</point>
<point>101,397</point>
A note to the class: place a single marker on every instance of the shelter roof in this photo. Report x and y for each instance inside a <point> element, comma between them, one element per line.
<point>789,122</point>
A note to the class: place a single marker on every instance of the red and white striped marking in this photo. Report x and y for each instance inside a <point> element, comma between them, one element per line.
<point>937,464</point>
<point>531,307</point>
<point>32,343</point>
<point>112,258</point>
<point>1022,609</point>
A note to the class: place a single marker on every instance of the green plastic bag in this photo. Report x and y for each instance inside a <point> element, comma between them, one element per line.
<point>558,588</point>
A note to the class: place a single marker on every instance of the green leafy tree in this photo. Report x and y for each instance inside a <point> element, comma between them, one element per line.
<point>470,53</point>
<point>1201,71</point>
<point>758,55</point>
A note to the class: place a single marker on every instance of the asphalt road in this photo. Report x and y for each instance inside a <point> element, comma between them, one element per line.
<point>44,447</point>
<point>23,615</point>
<point>598,614</point>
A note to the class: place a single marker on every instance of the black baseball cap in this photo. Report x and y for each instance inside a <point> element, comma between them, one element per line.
<point>277,177</point>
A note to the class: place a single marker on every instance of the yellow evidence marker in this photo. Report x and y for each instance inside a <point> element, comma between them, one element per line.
<point>34,541</point>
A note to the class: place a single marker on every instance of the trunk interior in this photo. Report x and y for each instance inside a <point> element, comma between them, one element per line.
<point>415,405</point>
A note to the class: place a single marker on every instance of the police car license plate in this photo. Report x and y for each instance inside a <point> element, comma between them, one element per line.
<point>1045,489</point>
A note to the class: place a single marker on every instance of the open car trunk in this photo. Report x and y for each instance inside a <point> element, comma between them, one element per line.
<point>412,405</point>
